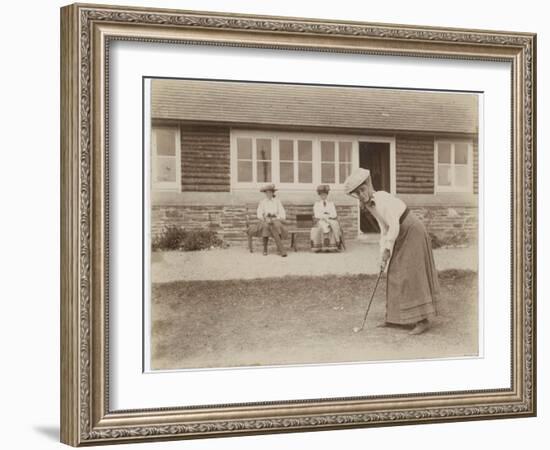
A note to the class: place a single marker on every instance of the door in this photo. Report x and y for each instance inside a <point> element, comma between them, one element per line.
<point>374,156</point>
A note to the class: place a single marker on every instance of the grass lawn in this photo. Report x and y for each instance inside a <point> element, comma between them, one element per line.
<point>300,320</point>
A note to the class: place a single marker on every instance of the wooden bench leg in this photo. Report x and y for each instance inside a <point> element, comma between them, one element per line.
<point>342,243</point>
<point>250,243</point>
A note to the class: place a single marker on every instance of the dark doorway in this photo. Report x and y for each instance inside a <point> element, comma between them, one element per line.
<point>374,156</point>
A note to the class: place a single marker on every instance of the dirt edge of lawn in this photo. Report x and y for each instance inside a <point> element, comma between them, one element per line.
<point>443,274</point>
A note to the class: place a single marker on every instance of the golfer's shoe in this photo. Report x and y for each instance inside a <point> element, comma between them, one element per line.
<point>420,327</point>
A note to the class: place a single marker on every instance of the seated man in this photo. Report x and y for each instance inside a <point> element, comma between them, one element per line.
<point>326,235</point>
<point>270,214</point>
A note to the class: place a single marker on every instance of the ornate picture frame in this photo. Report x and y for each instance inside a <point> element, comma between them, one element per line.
<point>86,34</point>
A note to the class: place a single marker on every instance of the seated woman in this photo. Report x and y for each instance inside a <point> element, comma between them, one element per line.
<point>270,214</point>
<point>326,235</point>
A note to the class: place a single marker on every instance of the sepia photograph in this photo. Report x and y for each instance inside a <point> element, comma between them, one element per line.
<point>294,224</point>
<point>289,223</point>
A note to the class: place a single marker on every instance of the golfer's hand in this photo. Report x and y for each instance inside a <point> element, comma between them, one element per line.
<point>384,259</point>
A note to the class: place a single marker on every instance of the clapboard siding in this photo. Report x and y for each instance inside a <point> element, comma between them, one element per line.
<point>205,159</point>
<point>414,165</point>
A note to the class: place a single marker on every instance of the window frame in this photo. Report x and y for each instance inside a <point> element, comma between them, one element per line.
<point>276,137</point>
<point>453,188</point>
<point>165,185</point>
<point>256,160</point>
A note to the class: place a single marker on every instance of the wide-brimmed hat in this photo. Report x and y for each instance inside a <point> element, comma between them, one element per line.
<point>268,187</point>
<point>323,188</point>
<point>356,179</point>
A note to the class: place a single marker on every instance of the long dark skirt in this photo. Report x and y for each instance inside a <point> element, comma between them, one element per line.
<point>412,284</point>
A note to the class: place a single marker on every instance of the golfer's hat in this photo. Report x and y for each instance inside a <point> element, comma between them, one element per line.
<point>356,179</point>
<point>268,187</point>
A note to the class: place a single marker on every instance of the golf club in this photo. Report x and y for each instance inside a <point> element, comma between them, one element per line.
<point>358,329</point>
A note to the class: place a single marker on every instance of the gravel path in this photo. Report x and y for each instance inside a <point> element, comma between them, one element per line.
<point>238,263</point>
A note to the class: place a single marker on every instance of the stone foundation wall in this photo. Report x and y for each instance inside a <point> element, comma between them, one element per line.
<point>451,225</point>
<point>230,221</point>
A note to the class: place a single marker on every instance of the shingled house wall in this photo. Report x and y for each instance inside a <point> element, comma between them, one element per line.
<point>205,167</point>
<point>205,158</point>
<point>414,164</point>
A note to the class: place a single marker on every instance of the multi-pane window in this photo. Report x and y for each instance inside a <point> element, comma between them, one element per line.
<point>290,160</point>
<point>165,158</point>
<point>286,161</point>
<point>295,161</point>
<point>253,160</point>
<point>335,161</point>
<point>305,161</point>
<point>344,158</point>
<point>453,162</point>
<point>244,160</point>
<point>263,160</point>
<point>328,162</point>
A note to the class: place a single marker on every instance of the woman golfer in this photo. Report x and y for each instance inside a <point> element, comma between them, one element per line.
<point>406,251</point>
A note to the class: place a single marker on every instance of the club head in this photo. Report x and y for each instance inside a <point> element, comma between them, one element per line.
<point>357,329</point>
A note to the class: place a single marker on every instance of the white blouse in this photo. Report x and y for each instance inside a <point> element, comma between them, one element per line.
<point>324,210</point>
<point>387,210</point>
<point>271,206</point>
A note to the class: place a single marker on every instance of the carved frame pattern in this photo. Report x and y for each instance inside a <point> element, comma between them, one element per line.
<point>77,387</point>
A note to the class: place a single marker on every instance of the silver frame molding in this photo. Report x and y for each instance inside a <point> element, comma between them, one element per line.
<point>86,31</point>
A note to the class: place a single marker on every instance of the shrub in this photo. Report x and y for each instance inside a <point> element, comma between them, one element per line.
<point>436,242</point>
<point>173,237</point>
<point>170,238</point>
<point>200,240</point>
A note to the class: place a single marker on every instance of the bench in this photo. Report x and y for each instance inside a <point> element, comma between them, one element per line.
<point>304,224</point>
<point>250,238</point>
<point>301,227</point>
